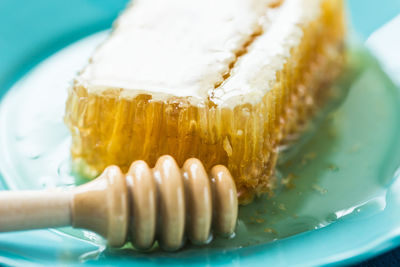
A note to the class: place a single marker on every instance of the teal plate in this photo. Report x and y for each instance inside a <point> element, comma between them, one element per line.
<point>340,196</point>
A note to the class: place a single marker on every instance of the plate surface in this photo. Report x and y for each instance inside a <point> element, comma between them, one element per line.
<point>345,202</point>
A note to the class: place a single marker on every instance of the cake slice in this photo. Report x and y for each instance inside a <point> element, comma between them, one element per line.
<point>224,81</point>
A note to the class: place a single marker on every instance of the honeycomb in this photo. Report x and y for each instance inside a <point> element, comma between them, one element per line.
<point>109,129</point>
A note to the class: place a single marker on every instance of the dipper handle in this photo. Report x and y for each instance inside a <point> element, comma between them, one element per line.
<point>165,203</point>
<point>21,210</point>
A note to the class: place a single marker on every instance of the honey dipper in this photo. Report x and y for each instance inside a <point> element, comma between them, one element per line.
<point>164,203</point>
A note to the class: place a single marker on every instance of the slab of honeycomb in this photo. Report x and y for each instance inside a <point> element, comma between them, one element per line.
<point>225,86</point>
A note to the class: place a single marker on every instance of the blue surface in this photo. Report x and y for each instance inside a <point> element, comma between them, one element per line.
<point>30,31</point>
<point>369,15</point>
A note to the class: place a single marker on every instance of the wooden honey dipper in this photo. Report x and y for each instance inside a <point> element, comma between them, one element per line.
<point>146,204</point>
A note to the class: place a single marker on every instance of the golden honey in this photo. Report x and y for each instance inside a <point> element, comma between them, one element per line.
<point>108,128</point>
